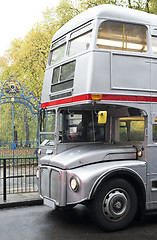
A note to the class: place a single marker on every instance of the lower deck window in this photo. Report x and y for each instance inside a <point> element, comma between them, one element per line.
<point>131,129</point>
<point>47,127</point>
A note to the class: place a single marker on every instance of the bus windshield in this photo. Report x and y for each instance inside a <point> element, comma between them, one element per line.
<point>83,126</point>
<point>80,126</point>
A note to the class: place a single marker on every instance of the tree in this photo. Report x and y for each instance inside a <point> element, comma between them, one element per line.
<point>32,58</point>
<point>27,59</point>
<point>153,6</point>
<point>3,64</point>
<point>89,3</point>
<point>66,11</point>
<point>149,6</point>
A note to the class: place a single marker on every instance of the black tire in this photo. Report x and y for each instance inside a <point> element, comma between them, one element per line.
<point>114,205</point>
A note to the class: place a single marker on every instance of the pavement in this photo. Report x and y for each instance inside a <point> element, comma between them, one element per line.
<point>20,199</point>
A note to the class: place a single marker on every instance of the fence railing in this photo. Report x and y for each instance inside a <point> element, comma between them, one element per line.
<point>17,175</point>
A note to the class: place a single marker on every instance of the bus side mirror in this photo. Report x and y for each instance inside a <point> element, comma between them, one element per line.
<point>102,117</point>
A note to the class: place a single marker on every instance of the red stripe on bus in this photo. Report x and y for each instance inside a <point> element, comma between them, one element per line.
<point>153,99</point>
<point>85,97</point>
<point>82,98</point>
<point>67,100</point>
<point>126,98</point>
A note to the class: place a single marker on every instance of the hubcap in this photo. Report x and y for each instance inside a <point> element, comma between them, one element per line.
<point>115,204</point>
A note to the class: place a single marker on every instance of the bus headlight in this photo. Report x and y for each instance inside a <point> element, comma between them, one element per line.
<point>37,173</point>
<point>74,184</point>
<point>140,153</point>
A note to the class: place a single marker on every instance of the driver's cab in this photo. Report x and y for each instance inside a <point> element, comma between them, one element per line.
<point>65,128</point>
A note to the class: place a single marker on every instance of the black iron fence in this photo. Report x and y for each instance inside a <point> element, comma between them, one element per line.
<point>17,175</point>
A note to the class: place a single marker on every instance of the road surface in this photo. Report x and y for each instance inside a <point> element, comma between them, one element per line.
<point>41,223</point>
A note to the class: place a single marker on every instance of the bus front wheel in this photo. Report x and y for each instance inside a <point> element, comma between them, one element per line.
<point>114,205</point>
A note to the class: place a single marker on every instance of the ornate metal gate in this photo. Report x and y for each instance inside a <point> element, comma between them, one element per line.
<point>18,121</point>
<point>18,138</point>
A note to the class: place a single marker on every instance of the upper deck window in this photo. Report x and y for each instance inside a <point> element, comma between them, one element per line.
<point>122,36</point>
<point>80,44</point>
<point>58,51</point>
<point>63,77</point>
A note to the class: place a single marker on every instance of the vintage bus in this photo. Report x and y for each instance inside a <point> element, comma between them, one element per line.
<point>98,116</point>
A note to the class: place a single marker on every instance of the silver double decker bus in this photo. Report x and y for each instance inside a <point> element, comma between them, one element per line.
<point>98,116</point>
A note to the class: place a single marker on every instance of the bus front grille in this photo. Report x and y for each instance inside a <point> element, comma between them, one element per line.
<point>55,185</point>
<point>50,184</point>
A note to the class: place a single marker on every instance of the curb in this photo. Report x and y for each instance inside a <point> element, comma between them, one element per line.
<point>31,202</point>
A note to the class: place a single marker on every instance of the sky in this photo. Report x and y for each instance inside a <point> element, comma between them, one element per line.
<point>17,18</point>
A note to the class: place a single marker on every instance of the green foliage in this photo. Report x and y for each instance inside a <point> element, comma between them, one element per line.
<point>153,6</point>
<point>89,3</point>
<point>143,5</point>
<point>65,11</point>
<point>27,59</point>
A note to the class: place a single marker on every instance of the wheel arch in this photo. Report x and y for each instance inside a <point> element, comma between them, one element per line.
<point>131,177</point>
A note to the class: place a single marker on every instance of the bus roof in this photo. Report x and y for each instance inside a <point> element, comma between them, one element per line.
<point>107,11</point>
